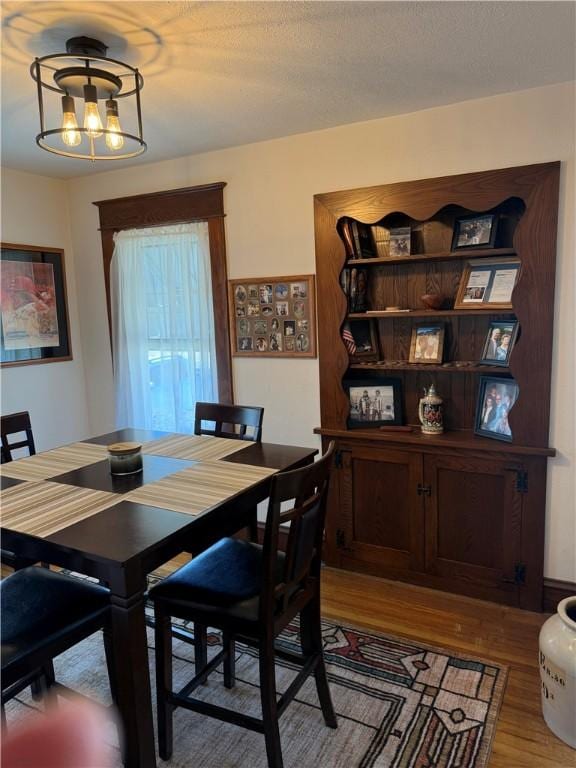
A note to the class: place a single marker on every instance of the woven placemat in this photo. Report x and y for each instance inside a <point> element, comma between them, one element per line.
<point>197,447</point>
<point>41,508</point>
<point>55,462</point>
<point>198,488</point>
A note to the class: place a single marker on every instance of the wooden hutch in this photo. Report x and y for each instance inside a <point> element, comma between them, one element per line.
<point>456,511</point>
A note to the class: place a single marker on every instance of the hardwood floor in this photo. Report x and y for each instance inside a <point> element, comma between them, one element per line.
<point>503,634</point>
<point>497,632</point>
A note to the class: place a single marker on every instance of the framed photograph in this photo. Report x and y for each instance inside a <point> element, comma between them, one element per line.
<point>499,343</point>
<point>361,340</point>
<point>477,231</point>
<point>496,397</point>
<point>374,402</point>
<point>273,316</point>
<point>488,283</point>
<point>399,242</point>
<point>33,308</point>
<point>427,344</point>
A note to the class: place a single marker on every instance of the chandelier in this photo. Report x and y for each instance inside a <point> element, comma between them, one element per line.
<point>85,73</point>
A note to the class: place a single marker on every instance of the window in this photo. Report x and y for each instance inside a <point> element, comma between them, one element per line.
<point>181,350</point>
<point>162,326</point>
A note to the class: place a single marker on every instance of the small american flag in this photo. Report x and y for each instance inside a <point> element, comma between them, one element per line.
<point>348,339</point>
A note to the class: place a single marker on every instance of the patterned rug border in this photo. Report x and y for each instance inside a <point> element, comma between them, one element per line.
<point>498,693</point>
<point>480,755</point>
<point>496,699</point>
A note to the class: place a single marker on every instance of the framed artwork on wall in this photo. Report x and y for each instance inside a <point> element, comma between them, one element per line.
<point>33,308</point>
<point>273,316</point>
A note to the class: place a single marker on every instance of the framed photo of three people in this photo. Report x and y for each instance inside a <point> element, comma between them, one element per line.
<point>496,398</point>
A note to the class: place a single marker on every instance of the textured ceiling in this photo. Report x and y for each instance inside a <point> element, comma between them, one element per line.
<point>219,74</point>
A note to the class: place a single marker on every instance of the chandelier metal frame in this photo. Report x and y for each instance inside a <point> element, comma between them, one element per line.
<point>69,80</point>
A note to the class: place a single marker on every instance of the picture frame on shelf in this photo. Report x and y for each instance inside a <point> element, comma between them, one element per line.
<point>273,316</point>
<point>500,339</point>
<point>488,283</point>
<point>427,344</point>
<point>361,340</point>
<point>373,402</point>
<point>496,398</point>
<point>400,242</point>
<point>478,231</point>
<point>34,313</point>
<point>358,290</point>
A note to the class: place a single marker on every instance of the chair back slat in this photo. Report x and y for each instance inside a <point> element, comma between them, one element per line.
<point>230,421</point>
<point>306,489</point>
<point>13,424</point>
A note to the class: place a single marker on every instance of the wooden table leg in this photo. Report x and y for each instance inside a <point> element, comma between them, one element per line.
<point>132,679</point>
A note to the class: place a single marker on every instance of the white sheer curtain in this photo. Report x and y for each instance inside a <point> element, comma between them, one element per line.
<point>162,326</point>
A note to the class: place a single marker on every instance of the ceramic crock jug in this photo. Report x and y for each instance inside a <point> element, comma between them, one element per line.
<point>558,671</point>
<point>430,412</point>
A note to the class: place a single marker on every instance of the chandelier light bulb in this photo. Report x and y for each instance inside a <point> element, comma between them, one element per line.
<point>114,140</point>
<point>92,120</point>
<point>71,135</point>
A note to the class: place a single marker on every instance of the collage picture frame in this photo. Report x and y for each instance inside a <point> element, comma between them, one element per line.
<point>273,316</point>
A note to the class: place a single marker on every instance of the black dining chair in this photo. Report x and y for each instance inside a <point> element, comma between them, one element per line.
<point>10,425</point>
<point>44,613</point>
<point>13,424</point>
<point>230,421</point>
<point>251,593</point>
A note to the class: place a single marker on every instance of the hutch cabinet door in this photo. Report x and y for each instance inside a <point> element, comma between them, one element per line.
<point>380,526</point>
<point>474,524</point>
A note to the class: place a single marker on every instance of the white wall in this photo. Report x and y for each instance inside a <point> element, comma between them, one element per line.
<point>269,230</point>
<point>35,212</point>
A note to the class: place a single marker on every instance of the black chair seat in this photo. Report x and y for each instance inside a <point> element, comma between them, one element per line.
<point>227,578</point>
<point>251,593</point>
<point>40,610</point>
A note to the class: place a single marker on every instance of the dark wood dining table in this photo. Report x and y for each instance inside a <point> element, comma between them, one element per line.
<point>123,543</point>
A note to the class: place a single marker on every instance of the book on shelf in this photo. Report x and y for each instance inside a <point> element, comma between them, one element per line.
<point>346,233</point>
<point>345,282</point>
<point>381,241</point>
<point>362,240</point>
<point>358,290</point>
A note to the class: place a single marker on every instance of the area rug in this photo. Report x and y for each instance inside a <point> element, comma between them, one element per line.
<point>400,704</point>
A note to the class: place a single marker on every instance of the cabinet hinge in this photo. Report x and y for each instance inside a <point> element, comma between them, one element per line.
<point>521,481</point>
<point>423,490</point>
<point>519,575</point>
